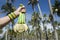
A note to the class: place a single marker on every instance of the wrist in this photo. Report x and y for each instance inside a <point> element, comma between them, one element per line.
<point>12,16</point>
<point>16,13</point>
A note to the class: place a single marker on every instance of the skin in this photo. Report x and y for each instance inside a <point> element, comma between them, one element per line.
<point>5,20</point>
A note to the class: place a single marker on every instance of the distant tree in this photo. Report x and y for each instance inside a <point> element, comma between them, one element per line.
<point>56,7</point>
<point>35,22</point>
<point>34,3</point>
<point>52,21</point>
<point>45,28</point>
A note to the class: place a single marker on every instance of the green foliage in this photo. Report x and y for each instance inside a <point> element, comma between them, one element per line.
<point>56,6</point>
<point>8,7</point>
<point>33,3</point>
<point>1,30</point>
<point>55,23</point>
<point>12,1</point>
<point>44,15</point>
<point>35,22</point>
<point>35,19</point>
<point>51,18</point>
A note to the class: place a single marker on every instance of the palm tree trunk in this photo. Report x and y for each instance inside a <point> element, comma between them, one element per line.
<point>40,35</point>
<point>45,28</point>
<point>39,10</point>
<point>6,1</point>
<point>46,35</point>
<point>6,38</point>
<point>6,35</point>
<point>12,29</point>
<point>51,11</point>
<point>55,33</point>
<point>41,17</point>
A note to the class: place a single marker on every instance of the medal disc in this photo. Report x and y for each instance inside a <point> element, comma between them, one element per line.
<point>20,28</point>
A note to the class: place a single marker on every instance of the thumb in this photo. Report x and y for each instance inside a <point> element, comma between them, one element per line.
<point>18,9</point>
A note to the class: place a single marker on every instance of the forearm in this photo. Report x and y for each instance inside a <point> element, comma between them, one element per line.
<point>5,20</point>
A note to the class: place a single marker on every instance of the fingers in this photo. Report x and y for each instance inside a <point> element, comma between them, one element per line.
<point>19,9</point>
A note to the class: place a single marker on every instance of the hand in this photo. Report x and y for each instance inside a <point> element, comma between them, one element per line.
<point>20,9</point>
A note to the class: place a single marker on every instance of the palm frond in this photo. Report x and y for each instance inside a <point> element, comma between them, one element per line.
<point>8,8</point>
<point>33,3</point>
<point>56,6</point>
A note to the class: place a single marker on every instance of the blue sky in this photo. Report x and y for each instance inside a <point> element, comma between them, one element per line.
<point>43,4</point>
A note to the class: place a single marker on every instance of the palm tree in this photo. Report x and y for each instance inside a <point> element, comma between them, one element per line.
<point>34,3</point>
<point>8,7</point>
<point>58,30</point>
<point>45,28</point>
<point>51,11</point>
<point>49,34</point>
<point>56,7</point>
<point>39,9</point>
<point>6,33</point>
<point>55,24</point>
<point>35,22</point>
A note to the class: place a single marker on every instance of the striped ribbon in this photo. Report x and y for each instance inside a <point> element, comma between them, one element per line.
<point>21,18</point>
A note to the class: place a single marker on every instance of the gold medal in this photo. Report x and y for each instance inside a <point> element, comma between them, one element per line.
<point>21,26</point>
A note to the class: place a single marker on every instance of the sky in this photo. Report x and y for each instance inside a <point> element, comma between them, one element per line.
<point>43,4</point>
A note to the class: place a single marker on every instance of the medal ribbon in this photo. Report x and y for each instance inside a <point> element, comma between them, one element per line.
<point>21,18</point>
